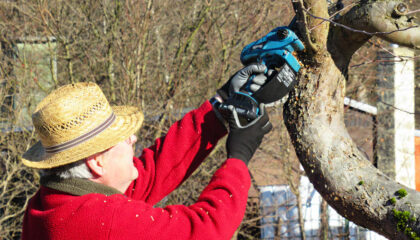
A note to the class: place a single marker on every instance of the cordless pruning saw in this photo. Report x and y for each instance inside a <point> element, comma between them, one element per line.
<point>275,50</point>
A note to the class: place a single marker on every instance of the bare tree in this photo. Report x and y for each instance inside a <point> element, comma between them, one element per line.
<point>167,56</point>
<point>314,114</point>
<point>164,56</point>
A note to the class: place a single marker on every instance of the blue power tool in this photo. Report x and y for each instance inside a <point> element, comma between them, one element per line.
<point>275,50</point>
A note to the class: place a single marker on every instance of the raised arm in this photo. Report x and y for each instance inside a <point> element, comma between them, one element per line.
<point>172,159</point>
<point>220,207</point>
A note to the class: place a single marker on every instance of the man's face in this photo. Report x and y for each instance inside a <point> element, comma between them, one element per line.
<point>119,166</point>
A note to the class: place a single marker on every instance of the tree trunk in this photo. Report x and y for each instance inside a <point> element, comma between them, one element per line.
<point>314,116</point>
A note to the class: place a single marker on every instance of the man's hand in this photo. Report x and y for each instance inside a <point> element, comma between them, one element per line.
<point>239,80</point>
<point>243,141</point>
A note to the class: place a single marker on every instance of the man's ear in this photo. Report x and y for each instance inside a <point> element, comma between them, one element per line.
<point>96,164</point>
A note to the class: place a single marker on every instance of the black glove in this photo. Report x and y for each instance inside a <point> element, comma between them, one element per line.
<point>242,142</point>
<point>238,81</point>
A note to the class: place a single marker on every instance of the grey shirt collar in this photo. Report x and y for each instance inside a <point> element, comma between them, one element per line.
<point>77,186</point>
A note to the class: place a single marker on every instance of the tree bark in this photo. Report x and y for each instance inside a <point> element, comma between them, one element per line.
<point>314,116</point>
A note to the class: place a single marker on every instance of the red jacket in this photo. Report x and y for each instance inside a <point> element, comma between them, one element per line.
<point>54,214</point>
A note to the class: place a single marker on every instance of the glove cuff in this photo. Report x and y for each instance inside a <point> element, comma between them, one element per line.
<point>244,157</point>
<point>216,101</point>
<point>223,93</point>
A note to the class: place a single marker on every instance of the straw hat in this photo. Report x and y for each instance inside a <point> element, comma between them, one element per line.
<point>76,121</point>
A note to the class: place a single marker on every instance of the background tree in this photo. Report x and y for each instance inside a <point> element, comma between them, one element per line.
<point>167,57</point>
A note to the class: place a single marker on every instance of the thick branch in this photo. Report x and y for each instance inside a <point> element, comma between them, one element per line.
<point>317,37</point>
<point>380,19</point>
<point>314,116</point>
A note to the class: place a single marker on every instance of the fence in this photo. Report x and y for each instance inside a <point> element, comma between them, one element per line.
<point>280,216</point>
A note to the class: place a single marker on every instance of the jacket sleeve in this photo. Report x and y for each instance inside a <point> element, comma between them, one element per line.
<point>174,157</point>
<point>216,215</point>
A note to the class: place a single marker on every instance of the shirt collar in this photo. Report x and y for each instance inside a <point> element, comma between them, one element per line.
<point>77,186</point>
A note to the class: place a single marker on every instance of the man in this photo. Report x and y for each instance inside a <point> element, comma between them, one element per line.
<point>92,186</point>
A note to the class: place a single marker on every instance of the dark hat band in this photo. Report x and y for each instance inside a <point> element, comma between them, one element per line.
<point>82,138</point>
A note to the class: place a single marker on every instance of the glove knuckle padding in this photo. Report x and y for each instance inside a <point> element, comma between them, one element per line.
<point>254,87</point>
<point>239,79</point>
<point>247,71</point>
<point>254,68</point>
<point>260,68</point>
<point>259,79</point>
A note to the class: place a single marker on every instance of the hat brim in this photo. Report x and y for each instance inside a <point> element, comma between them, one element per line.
<point>128,121</point>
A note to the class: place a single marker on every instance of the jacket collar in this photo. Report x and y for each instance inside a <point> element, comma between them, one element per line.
<point>77,186</point>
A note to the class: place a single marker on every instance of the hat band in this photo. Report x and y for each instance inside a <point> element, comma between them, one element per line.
<point>82,138</point>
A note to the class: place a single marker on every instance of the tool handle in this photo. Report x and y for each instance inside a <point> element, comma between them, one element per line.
<point>246,107</point>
